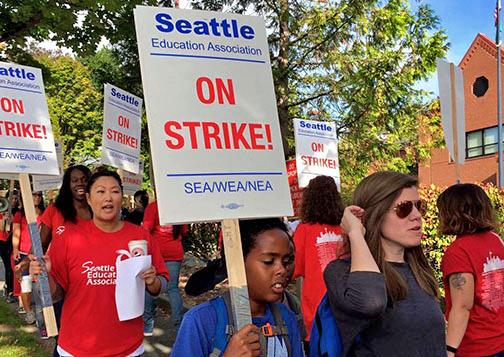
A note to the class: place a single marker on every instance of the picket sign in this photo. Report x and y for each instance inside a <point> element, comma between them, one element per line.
<point>216,144</point>
<point>31,218</point>
<point>27,147</point>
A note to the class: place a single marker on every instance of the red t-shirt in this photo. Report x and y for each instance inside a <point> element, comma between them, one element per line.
<point>24,240</point>
<point>53,218</point>
<point>316,246</point>
<point>83,259</point>
<point>482,255</point>
<point>171,249</point>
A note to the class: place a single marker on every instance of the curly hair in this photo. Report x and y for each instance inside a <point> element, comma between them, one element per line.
<point>322,202</point>
<point>465,209</point>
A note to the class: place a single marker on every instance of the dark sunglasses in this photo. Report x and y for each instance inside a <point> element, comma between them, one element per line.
<point>404,208</point>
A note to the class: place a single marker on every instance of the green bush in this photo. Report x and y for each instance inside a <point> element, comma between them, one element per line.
<point>202,240</point>
<point>435,244</point>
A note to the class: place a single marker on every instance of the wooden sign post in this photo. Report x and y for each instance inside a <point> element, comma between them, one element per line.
<point>237,279</point>
<point>31,218</point>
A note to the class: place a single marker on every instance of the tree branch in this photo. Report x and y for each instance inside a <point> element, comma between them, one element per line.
<point>19,28</point>
<point>305,100</point>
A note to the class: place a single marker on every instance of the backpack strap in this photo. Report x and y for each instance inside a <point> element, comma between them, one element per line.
<point>223,329</point>
<point>279,312</point>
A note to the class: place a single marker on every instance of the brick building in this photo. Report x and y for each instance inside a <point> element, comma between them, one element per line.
<point>479,66</point>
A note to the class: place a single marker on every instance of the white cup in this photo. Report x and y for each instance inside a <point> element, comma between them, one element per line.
<point>137,247</point>
<point>26,284</point>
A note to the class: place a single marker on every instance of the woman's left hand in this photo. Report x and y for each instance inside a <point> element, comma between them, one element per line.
<point>149,275</point>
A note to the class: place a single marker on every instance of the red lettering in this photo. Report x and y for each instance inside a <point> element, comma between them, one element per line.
<point>199,90</point>
<point>192,125</point>
<point>211,131</point>
<point>177,141</point>
<point>238,136</point>
<point>254,136</point>
<point>9,105</point>
<point>228,92</point>
<point>9,129</point>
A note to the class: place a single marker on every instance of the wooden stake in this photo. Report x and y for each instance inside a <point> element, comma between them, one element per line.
<point>8,224</point>
<point>454,121</point>
<point>237,278</point>
<point>31,218</point>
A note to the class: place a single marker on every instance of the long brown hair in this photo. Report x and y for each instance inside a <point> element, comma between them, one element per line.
<point>376,195</point>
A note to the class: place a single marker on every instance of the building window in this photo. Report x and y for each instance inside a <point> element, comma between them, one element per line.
<point>480,86</point>
<point>481,142</point>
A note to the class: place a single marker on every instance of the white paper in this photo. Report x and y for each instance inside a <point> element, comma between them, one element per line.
<point>130,287</point>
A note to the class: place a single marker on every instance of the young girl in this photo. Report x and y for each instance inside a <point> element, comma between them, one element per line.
<point>266,252</point>
<point>385,298</point>
<point>473,273</point>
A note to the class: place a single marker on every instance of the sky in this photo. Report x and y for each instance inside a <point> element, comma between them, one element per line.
<point>462,21</point>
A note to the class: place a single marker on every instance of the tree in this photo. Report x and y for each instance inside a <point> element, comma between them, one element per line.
<point>75,106</point>
<point>357,63</point>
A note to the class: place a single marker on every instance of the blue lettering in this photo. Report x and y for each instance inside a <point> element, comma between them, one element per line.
<point>164,20</point>
<point>227,186</point>
<point>20,73</point>
<point>223,28</point>
<point>317,126</point>
<point>188,188</point>
<point>124,97</point>
<point>183,26</point>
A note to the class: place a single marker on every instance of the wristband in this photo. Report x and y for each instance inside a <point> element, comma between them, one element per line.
<point>451,349</point>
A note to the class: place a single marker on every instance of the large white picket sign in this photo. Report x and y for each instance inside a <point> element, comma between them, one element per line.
<point>213,125</point>
<point>26,138</point>
<point>316,150</point>
<point>122,127</point>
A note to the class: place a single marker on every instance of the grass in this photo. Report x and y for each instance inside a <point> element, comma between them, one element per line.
<point>15,340</point>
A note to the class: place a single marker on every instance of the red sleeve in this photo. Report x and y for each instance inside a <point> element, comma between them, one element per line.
<point>455,260</point>
<point>157,258</point>
<point>299,244</point>
<point>17,218</point>
<point>149,219</point>
<point>58,254</point>
<point>47,216</point>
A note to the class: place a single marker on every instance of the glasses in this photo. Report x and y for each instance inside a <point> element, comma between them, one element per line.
<point>404,208</point>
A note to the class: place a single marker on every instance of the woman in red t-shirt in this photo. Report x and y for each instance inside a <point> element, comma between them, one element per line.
<point>21,246</point>
<point>82,267</point>
<point>318,241</point>
<point>473,272</point>
<point>70,207</point>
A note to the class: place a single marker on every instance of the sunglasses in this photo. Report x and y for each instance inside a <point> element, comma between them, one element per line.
<point>404,208</point>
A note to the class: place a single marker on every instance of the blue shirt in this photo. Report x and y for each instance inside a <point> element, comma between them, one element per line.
<point>198,329</point>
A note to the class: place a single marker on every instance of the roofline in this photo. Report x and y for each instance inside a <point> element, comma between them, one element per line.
<point>490,48</point>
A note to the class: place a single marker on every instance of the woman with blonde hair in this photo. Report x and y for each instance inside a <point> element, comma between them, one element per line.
<point>385,298</point>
